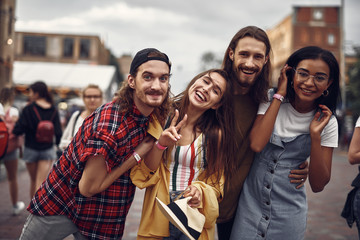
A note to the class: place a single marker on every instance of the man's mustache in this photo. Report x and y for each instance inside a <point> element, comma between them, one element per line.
<point>154,92</point>
<point>244,68</point>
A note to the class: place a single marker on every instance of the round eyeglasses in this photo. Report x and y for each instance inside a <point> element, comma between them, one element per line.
<point>303,76</point>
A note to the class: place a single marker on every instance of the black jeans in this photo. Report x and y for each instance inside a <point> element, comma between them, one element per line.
<point>224,230</point>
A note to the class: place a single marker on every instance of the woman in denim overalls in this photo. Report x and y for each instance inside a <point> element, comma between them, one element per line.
<point>285,133</point>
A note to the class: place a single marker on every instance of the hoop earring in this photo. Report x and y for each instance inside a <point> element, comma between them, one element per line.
<point>325,93</point>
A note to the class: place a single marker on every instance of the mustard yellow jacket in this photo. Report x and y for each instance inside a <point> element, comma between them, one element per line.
<point>153,224</point>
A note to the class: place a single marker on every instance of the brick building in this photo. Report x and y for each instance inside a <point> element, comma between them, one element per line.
<point>310,23</point>
<point>7,34</point>
<point>61,48</point>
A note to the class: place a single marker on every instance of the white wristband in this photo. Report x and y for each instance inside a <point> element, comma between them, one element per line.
<point>137,157</point>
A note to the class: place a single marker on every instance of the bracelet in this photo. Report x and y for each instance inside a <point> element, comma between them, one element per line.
<point>159,146</point>
<point>278,97</point>
<point>137,157</point>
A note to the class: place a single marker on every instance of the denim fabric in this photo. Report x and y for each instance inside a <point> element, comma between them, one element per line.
<point>32,155</point>
<point>270,207</point>
<point>14,155</point>
<point>49,228</point>
<point>357,210</point>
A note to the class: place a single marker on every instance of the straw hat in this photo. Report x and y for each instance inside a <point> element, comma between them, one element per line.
<point>187,219</point>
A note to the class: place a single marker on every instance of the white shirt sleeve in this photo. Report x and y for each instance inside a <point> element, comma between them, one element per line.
<point>14,112</point>
<point>357,123</point>
<point>263,107</point>
<point>67,134</point>
<point>2,113</point>
<point>330,134</point>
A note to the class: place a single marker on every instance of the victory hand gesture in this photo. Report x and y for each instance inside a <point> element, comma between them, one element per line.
<point>171,135</point>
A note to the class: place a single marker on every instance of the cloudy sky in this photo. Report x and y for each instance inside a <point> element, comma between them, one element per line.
<point>183,29</point>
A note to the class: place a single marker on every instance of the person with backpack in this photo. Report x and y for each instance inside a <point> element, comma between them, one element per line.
<point>92,97</point>
<point>40,123</point>
<point>10,115</point>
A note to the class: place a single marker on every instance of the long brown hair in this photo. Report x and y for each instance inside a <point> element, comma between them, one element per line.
<point>125,96</point>
<point>258,91</point>
<point>217,126</point>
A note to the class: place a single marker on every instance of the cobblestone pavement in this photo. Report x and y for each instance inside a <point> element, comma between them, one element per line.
<point>324,221</point>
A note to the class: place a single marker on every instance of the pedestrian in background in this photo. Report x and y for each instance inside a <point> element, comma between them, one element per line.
<point>10,115</point>
<point>92,97</point>
<point>247,62</point>
<point>38,156</point>
<point>190,157</point>
<point>351,209</point>
<point>296,123</point>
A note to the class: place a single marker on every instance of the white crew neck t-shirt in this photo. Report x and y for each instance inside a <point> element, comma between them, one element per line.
<point>291,123</point>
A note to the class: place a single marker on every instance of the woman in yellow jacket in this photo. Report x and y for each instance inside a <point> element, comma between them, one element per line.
<point>190,157</point>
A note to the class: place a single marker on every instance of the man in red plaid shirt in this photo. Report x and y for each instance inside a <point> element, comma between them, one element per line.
<point>88,192</point>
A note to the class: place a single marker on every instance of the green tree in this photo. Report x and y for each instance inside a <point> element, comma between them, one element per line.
<point>210,60</point>
<point>113,61</point>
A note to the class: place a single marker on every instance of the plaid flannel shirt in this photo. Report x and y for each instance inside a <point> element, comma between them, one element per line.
<point>113,135</point>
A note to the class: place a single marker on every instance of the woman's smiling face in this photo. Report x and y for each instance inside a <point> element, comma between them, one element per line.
<point>207,91</point>
<point>307,89</point>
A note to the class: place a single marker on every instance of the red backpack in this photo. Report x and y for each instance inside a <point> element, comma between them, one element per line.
<point>45,129</point>
<point>4,138</point>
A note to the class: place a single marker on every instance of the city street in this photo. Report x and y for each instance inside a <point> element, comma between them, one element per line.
<point>324,220</point>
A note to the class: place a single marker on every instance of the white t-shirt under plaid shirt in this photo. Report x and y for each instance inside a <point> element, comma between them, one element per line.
<point>186,163</point>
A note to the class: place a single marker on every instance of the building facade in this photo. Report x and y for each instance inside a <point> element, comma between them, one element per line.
<point>124,63</point>
<point>310,23</point>
<point>61,48</point>
<point>7,34</point>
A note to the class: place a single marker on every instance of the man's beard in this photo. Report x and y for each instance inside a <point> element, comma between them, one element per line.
<point>240,69</point>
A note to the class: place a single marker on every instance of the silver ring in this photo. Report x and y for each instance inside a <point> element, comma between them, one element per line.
<point>302,179</point>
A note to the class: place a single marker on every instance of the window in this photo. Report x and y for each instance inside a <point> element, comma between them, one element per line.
<point>34,45</point>
<point>318,14</point>
<point>68,47</point>
<point>331,39</point>
<point>84,48</point>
